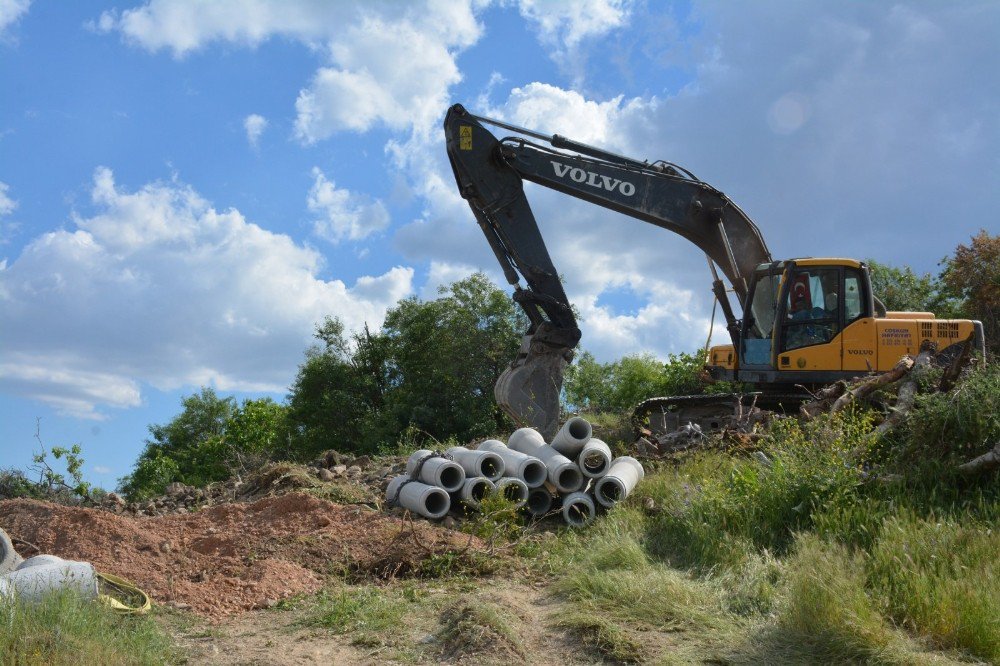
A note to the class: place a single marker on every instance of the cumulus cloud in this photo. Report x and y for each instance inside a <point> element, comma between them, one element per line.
<point>7,206</point>
<point>345,215</point>
<point>11,11</point>
<point>387,63</point>
<point>254,125</point>
<point>564,25</point>
<point>158,287</point>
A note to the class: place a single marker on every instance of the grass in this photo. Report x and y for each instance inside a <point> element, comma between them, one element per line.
<point>64,629</point>
<point>477,628</point>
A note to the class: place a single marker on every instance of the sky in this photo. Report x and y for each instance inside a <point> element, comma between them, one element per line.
<point>187,188</point>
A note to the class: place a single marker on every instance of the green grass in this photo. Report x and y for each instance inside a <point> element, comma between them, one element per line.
<point>64,629</point>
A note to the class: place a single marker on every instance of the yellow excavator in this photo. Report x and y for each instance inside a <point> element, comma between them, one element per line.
<point>805,322</point>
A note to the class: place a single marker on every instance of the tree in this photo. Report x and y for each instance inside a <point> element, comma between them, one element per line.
<point>621,385</point>
<point>431,368</point>
<point>971,279</point>
<point>902,290</point>
<point>210,438</point>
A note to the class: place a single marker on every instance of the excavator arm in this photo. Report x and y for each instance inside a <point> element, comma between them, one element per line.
<point>490,174</point>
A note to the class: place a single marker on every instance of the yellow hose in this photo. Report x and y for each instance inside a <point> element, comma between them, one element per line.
<point>121,595</point>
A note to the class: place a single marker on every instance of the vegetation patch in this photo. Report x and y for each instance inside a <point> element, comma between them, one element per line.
<point>66,629</point>
<point>476,630</point>
<point>609,639</point>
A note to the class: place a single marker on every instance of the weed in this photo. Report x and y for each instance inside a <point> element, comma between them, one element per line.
<point>478,628</point>
<point>63,628</point>
<point>608,638</point>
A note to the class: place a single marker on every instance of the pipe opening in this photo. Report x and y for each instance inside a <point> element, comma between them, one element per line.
<point>489,467</point>
<point>479,490</point>
<point>514,492</point>
<point>578,429</point>
<point>534,473</point>
<point>611,490</point>
<point>451,477</point>
<point>539,502</point>
<point>578,513</point>
<point>436,502</point>
<point>570,479</point>
<point>594,462</point>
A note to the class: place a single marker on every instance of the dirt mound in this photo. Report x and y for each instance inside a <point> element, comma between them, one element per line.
<point>232,557</point>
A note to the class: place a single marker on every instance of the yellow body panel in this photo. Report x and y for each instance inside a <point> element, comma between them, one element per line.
<point>722,356</point>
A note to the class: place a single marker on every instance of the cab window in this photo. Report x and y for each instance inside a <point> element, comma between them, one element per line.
<point>812,308</point>
<point>854,296</point>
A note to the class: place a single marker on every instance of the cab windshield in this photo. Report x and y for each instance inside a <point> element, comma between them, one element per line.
<point>760,320</point>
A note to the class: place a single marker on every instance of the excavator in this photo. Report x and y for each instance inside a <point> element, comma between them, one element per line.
<point>804,322</point>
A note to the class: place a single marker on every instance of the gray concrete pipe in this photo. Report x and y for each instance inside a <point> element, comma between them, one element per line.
<point>474,490</point>
<point>572,437</point>
<point>578,509</point>
<point>428,501</point>
<point>514,489</point>
<point>477,463</point>
<point>615,486</point>
<point>9,559</point>
<point>529,469</point>
<point>539,501</point>
<point>37,576</point>
<point>436,470</point>
<point>595,459</point>
<point>563,472</point>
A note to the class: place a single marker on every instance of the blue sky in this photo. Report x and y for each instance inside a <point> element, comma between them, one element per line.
<point>187,188</point>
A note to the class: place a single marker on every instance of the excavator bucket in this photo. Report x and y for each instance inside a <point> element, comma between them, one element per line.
<point>528,390</point>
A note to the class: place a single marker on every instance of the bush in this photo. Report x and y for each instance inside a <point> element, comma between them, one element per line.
<point>621,385</point>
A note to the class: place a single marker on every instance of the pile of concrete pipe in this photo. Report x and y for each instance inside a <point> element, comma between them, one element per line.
<point>574,475</point>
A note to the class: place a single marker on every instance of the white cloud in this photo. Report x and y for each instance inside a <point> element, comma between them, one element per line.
<point>7,206</point>
<point>11,11</point>
<point>158,287</point>
<point>102,469</point>
<point>346,215</point>
<point>254,125</point>
<point>566,24</point>
<point>388,63</point>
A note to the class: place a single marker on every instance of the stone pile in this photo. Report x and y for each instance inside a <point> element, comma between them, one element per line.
<point>573,475</point>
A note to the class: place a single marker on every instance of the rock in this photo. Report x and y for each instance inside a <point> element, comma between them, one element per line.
<point>339,470</point>
<point>384,472</point>
<point>332,458</point>
<point>114,499</point>
<point>449,522</point>
<point>326,475</point>
<point>361,461</point>
<point>176,489</point>
<point>166,547</point>
<point>353,470</point>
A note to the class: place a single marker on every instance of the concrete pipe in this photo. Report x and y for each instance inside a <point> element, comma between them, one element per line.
<point>428,501</point>
<point>513,489</point>
<point>474,490</point>
<point>31,581</point>
<point>477,463</point>
<point>578,509</point>
<point>595,459</point>
<point>529,469</point>
<point>621,478</point>
<point>571,439</point>
<point>539,502</point>
<point>436,470</point>
<point>9,559</point>
<point>562,472</point>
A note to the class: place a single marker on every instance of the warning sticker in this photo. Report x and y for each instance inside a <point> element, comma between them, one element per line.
<point>465,137</point>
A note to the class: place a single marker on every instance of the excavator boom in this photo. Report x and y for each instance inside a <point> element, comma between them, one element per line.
<point>490,174</point>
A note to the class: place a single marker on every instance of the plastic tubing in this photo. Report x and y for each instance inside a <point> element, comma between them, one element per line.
<point>539,501</point>
<point>572,437</point>
<point>513,489</point>
<point>428,501</point>
<point>578,509</point>
<point>529,469</point>
<point>616,485</point>
<point>563,472</point>
<point>595,459</point>
<point>474,490</point>
<point>436,470</point>
<point>477,463</point>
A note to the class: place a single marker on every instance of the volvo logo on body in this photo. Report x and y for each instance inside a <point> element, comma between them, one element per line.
<point>578,175</point>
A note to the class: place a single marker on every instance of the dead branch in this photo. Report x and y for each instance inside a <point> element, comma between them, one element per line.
<point>984,463</point>
<point>870,385</point>
<point>954,369</point>
<point>823,399</point>
<point>907,392</point>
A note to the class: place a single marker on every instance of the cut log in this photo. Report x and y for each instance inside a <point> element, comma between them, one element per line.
<point>873,383</point>
<point>822,400</point>
<point>907,391</point>
<point>954,369</point>
<point>984,463</point>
